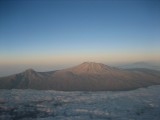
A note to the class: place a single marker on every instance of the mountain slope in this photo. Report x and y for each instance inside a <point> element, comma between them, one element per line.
<point>97,76</point>
<point>87,76</point>
<point>26,79</point>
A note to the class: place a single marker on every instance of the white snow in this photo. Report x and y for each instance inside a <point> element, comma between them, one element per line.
<point>140,104</point>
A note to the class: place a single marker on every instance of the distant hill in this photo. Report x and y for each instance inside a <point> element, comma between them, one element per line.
<point>88,76</point>
<point>148,65</point>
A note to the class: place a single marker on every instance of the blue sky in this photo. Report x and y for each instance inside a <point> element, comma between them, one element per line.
<point>63,32</point>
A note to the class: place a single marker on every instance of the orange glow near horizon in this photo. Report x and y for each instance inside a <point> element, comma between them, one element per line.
<point>79,58</point>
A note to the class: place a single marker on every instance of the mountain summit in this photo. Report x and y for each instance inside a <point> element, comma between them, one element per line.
<point>91,67</point>
<point>88,76</point>
<point>29,72</point>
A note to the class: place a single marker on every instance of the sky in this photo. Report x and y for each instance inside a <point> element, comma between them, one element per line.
<point>53,34</point>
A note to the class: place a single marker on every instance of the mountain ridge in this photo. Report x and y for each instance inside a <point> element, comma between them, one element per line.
<point>141,64</point>
<point>88,76</point>
<point>90,67</point>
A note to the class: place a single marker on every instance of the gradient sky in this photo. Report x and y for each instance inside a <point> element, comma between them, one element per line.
<point>45,34</point>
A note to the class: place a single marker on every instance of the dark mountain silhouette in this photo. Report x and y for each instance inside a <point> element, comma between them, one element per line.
<point>88,76</point>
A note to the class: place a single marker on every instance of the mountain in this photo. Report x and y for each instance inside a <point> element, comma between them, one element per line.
<point>142,64</point>
<point>88,76</point>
